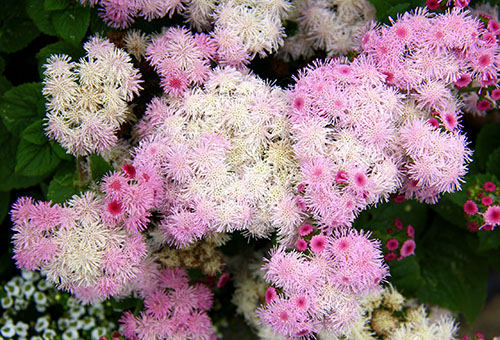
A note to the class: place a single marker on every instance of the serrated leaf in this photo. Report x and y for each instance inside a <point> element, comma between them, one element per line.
<point>60,47</point>
<point>454,276</point>
<point>62,187</point>
<point>98,167</point>
<point>54,5</point>
<point>34,133</point>
<point>493,163</point>
<point>35,160</point>
<point>4,204</point>
<point>17,30</point>
<point>72,24</point>
<point>487,141</point>
<point>405,275</point>
<point>21,106</point>
<point>8,178</point>
<point>41,17</point>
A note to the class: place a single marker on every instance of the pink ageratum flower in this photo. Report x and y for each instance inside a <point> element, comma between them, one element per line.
<point>492,215</point>
<point>408,248</point>
<point>486,200</point>
<point>301,244</point>
<point>470,207</point>
<point>410,231</point>
<point>318,243</point>
<point>392,244</point>
<point>305,230</point>
<point>489,186</point>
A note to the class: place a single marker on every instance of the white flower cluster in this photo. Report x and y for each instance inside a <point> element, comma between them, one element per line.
<point>87,100</point>
<point>30,290</point>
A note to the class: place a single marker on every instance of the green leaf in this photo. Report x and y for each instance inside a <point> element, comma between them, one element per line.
<point>21,106</point>
<point>454,276</point>
<point>35,160</point>
<point>60,47</point>
<point>8,178</point>
<point>493,163</point>
<point>41,17</point>
<point>72,24</point>
<point>62,186</point>
<point>60,151</point>
<point>487,141</point>
<point>98,167</point>
<point>450,211</point>
<point>17,30</point>
<point>4,204</point>
<point>488,239</point>
<point>53,5</point>
<point>405,275</point>
<point>34,133</point>
<point>5,85</point>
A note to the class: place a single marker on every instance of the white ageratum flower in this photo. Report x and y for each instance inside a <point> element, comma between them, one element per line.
<point>30,275</point>
<point>76,311</point>
<point>88,323</point>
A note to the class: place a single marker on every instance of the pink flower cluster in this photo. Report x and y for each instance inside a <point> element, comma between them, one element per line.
<point>321,292</point>
<point>173,310</point>
<point>75,247</point>
<point>394,237</point>
<point>482,208</point>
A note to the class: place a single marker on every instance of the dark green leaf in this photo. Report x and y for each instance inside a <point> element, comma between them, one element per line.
<point>487,141</point>
<point>62,186</point>
<point>489,239</point>
<point>60,47</point>
<point>454,276</point>
<point>493,163</point>
<point>17,30</point>
<point>98,167</point>
<point>60,151</point>
<point>4,204</point>
<point>450,211</point>
<point>5,85</point>
<point>405,275</point>
<point>35,160</point>
<point>41,17</point>
<point>71,24</point>
<point>21,106</point>
<point>53,5</point>
<point>34,133</point>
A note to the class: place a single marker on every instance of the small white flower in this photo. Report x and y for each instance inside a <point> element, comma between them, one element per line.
<point>88,323</point>
<point>98,332</point>
<point>8,330</point>
<point>40,298</point>
<point>44,285</point>
<point>40,308</point>
<point>22,328</point>
<point>12,289</point>
<point>70,334</point>
<point>20,304</point>
<point>72,302</point>
<point>63,323</point>
<point>49,334</point>
<point>30,275</point>
<point>42,323</point>
<point>75,323</point>
<point>17,280</point>
<point>36,337</point>
<point>76,312</point>
<point>28,289</point>
<point>7,302</point>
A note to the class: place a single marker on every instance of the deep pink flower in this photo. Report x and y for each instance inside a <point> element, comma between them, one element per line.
<point>301,188</point>
<point>486,200</point>
<point>492,215</point>
<point>298,103</point>
<point>318,243</point>
<point>341,177</point>
<point>390,256</point>
<point>483,105</point>
<point>389,231</point>
<point>398,224</point>
<point>301,302</point>
<point>392,244</point>
<point>472,226</point>
<point>301,244</point>
<point>432,4</point>
<point>271,295</point>
<point>487,227</point>
<point>114,207</point>
<point>470,207</point>
<point>495,94</point>
<point>360,179</point>
<point>461,3</point>
<point>408,248</point>
<point>223,280</point>
<point>129,170</point>
<point>434,122</point>
<point>463,80</point>
<point>410,231</point>
<point>399,199</point>
<point>306,229</point>
<point>489,186</point>
<point>493,26</point>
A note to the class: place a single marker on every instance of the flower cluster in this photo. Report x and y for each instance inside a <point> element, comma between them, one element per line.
<point>482,208</point>
<point>321,292</point>
<point>329,26</point>
<point>173,310</point>
<point>87,100</point>
<point>225,155</point>
<point>399,241</point>
<point>75,248</point>
<point>76,321</point>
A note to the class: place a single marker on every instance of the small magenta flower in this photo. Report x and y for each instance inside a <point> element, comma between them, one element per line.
<point>492,215</point>
<point>390,256</point>
<point>472,226</point>
<point>223,280</point>
<point>318,243</point>
<point>392,244</point>
<point>470,207</point>
<point>398,224</point>
<point>486,200</point>
<point>306,229</point>
<point>129,170</point>
<point>341,177</point>
<point>301,244</point>
<point>463,80</point>
<point>271,295</point>
<point>410,231</point>
<point>490,186</point>
<point>483,105</point>
<point>408,248</point>
<point>432,4</point>
<point>114,207</point>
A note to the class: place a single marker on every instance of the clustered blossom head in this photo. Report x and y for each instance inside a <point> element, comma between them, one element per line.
<point>399,241</point>
<point>344,121</point>
<point>181,58</point>
<point>87,100</point>
<point>332,26</point>
<point>173,310</point>
<point>321,292</point>
<point>430,54</point>
<point>74,247</point>
<point>225,155</point>
<point>482,208</point>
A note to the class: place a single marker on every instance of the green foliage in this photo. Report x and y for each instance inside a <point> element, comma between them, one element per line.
<point>54,5</point>
<point>17,30</point>
<point>391,8</point>
<point>34,160</point>
<point>34,133</point>
<point>4,204</point>
<point>454,276</point>
<point>98,167</point>
<point>487,141</point>
<point>64,184</point>
<point>40,16</point>
<point>72,24</point>
<point>493,163</point>
<point>406,275</point>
